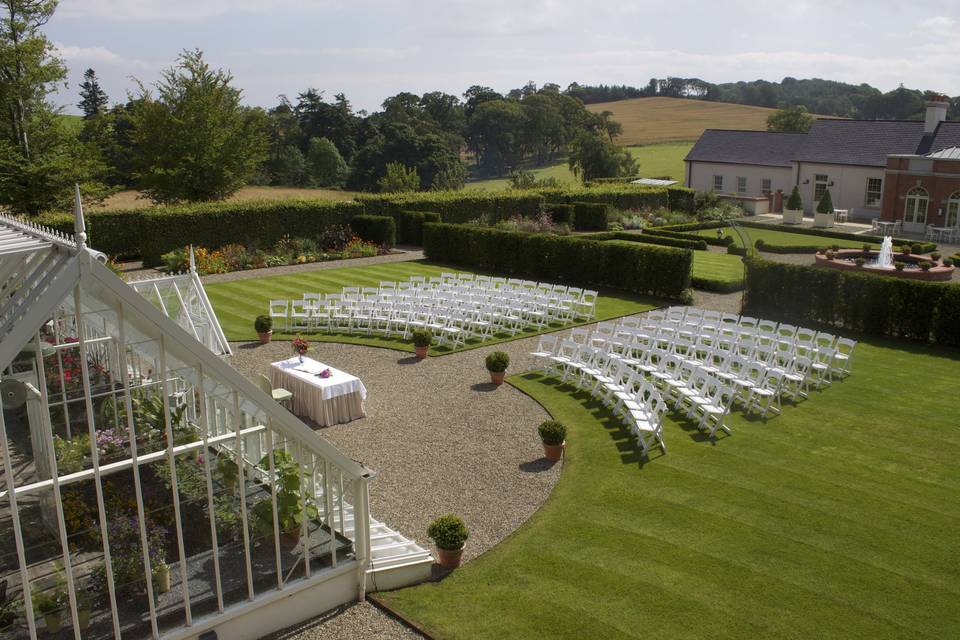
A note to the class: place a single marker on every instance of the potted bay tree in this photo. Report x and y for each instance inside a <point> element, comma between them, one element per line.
<point>553,434</point>
<point>449,533</point>
<point>497,363</point>
<point>793,211</point>
<point>263,325</point>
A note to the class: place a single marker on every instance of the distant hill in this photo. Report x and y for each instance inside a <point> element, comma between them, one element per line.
<point>651,120</point>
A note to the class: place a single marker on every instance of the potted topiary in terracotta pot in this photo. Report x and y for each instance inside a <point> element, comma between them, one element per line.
<point>449,533</point>
<point>497,363</point>
<point>553,434</point>
<point>422,339</point>
<point>263,325</point>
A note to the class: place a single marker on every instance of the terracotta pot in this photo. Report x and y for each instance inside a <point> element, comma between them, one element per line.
<point>553,452</point>
<point>265,337</point>
<point>496,377</point>
<point>53,622</point>
<point>421,352</point>
<point>449,559</point>
<point>83,619</point>
<point>290,539</point>
<point>161,578</point>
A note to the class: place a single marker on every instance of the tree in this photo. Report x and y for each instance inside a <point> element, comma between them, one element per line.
<point>195,141</point>
<point>399,178</point>
<point>40,159</point>
<point>790,120</point>
<point>326,165</point>
<point>93,99</point>
<point>826,203</point>
<point>594,156</point>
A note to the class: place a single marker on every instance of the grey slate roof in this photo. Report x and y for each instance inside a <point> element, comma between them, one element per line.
<point>746,147</point>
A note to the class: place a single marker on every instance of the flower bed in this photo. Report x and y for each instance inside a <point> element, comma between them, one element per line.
<point>336,243</point>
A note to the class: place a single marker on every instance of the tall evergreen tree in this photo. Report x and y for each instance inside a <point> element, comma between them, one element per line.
<point>93,99</point>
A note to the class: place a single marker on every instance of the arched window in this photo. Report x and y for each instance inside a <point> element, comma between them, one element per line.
<point>916,208</point>
<point>953,209</point>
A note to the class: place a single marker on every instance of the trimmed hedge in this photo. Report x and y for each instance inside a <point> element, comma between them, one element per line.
<point>725,241</point>
<point>776,248</point>
<point>561,213</point>
<point>152,232</point>
<point>680,243</point>
<point>457,206</point>
<point>717,286</point>
<point>630,266</point>
<point>681,199</point>
<point>379,229</point>
<point>588,216</point>
<point>871,304</point>
<point>410,225</point>
<point>620,196</point>
<point>827,233</point>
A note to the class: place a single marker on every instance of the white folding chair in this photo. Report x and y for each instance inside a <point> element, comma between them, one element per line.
<point>279,310</point>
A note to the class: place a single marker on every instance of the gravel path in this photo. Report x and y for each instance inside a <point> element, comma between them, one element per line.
<point>349,622</point>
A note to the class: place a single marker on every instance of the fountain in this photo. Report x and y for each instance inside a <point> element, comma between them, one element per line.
<point>885,258</point>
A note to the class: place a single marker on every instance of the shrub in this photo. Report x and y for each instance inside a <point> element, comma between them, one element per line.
<point>867,247</point>
<point>916,247</point>
<point>422,338</point>
<point>691,242</point>
<point>948,262</point>
<point>795,202</point>
<point>379,229</point>
<point>448,532</point>
<point>263,324</point>
<point>410,225</point>
<point>935,255</point>
<point>854,301</point>
<point>619,196</point>
<point>925,265</point>
<point>899,265</point>
<point>630,266</point>
<point>561,213</point>
<point>552,433</point>
<point>588,216</point>
<point>859,261</point>
<point>457,207</point>
<point>826,203</point>
<point>829,254</point>
<point>681,199</point>
<point>498,361</point>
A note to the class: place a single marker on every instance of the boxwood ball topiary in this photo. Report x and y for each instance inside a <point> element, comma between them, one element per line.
<point>263,324</point>
<point>552,433</point>
<point>448,532</point>
<point>498,361</point>
<point>422,338</point>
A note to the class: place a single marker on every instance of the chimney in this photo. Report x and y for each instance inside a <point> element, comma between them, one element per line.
<point>936,112</point>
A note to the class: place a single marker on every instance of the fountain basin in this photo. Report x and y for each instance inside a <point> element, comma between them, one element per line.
<point>844,259</point>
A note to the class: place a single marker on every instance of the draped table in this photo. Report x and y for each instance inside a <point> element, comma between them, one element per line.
<point>326,401</point>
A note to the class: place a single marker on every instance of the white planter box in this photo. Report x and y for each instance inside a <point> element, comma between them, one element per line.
<point>792,216</point>
<point>823,220</point>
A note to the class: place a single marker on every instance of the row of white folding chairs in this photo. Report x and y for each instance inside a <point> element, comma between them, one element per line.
<point>705,319</point>
<point>640,406</point>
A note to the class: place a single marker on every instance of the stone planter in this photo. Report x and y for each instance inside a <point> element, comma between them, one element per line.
<point>449,559</point>
<point>792,216</point>
<point>421,352</point>
<point>496,377</point>
<point>823,220</point>
<point>53,622</point>
<point>554,452</point>
<point>265,337</point>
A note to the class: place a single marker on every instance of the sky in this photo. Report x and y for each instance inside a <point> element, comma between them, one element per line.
<point>372,49</point>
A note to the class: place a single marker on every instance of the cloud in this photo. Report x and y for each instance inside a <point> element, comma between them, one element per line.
<point>99,56</point>
<point>360,54</point>
<point>152,10</point>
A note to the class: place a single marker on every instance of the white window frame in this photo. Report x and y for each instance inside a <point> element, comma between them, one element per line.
<point>867,201</point>
<point>717,183</point>
<point>741,185</point>
<point>821,182</point>
<point>953,210</point>
<point>766,185</point>
<point>915,206</point>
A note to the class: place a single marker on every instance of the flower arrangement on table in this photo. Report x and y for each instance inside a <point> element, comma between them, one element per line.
<point>300,346</point>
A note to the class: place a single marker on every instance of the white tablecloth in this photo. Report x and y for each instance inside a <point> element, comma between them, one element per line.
<point>326,401</point>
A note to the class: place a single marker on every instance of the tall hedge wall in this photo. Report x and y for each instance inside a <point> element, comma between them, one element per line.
<point>590,216</point>
<point>379,229</point>
<point>871,304</point>
<point>621,196</point>
<point>410,225</point>
<point>152,232</point>
<point>457,206</point>
<point>630,266</point>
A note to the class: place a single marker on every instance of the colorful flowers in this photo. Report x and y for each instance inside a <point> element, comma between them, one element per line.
<point>300,345</point>
<point>326,373</point>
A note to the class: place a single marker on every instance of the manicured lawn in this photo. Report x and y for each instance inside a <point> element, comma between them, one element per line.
<point>237,303</point>
<point>784,238</point>
<point>711,265</point>
<point>837,519</point>
<point>656,160</point>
